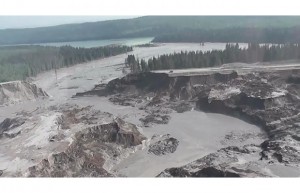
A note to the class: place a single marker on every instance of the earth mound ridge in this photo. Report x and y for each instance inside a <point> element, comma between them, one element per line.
<point>19,91</point>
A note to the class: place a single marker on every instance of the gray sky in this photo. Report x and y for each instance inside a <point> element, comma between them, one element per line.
<point>41,21</point>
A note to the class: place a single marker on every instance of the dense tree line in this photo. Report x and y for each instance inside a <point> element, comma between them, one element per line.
<point>247,35</point>
<point>19,62</point>
<point>71,55</point>
<point>232,53</point>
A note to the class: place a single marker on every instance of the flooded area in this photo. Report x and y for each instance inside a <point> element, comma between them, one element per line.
<point>98,43</point>
<point>198,133</point>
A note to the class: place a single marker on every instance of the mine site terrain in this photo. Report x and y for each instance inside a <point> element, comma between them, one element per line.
<point>96,119</point>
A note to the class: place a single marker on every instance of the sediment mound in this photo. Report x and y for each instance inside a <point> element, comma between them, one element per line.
<point>65,140</point>
<point>226,162</point>
<point>165,145</point>
<point>87,154</point>
<point>19,91</point>
<point>9,124</point>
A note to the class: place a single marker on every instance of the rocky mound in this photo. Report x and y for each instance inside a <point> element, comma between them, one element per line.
<point>164,145</point>
<point>227,162</point>
<point>155,118</point>
<point>86,156</point>
<point>9,124</point>
<point>65,141</point>
<point>19,91</point>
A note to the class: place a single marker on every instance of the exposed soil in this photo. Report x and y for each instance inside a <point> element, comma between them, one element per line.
<point>19,91</point>
<point>69,141</point>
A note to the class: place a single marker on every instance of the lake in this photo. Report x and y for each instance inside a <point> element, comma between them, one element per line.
<point>98,43</point>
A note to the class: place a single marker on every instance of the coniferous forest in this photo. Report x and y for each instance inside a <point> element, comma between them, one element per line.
<point>247,35</point>
<point>232,53</point>
<point>259,29</point>
<point>19,62</point>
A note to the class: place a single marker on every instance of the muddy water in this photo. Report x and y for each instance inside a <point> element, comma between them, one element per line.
<point>198,133</point>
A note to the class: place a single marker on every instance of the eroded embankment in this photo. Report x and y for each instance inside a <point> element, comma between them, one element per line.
<point>269,100</point>
<point>19,91</point>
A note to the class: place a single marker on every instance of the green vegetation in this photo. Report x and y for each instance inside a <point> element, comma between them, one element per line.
<point>165,29</point>
<point>246,35</point>
<point>19,62</point>
<point>232,53</point>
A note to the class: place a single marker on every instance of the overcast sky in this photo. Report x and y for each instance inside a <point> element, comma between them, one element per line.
<point>40,21</point>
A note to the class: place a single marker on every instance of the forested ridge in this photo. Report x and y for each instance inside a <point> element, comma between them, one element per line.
<point>246,35</point>
<point>19,62</point>
<point>232,53</point>
<point>167,29</point>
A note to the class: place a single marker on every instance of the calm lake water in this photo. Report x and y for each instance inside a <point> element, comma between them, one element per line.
<point>98,43</point>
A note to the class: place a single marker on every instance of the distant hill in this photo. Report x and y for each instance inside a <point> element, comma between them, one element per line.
<point>165,28</point>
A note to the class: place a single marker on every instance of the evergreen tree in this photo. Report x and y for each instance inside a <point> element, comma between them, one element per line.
<point>231,53</point>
